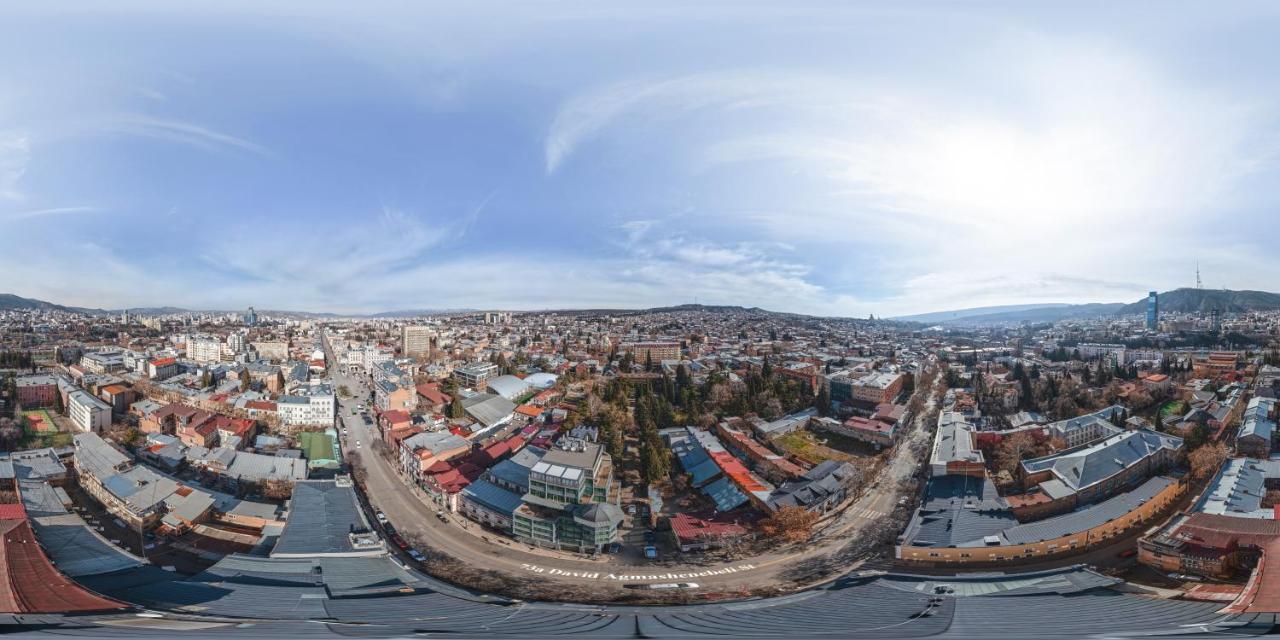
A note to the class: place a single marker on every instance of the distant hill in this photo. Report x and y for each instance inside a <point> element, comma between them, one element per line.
<point>961,314</point>
<point>1203,300</point>
<point>1056,313</point>
<point>1176,301</point>
<point>9,301</point>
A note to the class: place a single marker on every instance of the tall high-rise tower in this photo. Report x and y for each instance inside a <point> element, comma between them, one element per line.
<point>1153,310</point>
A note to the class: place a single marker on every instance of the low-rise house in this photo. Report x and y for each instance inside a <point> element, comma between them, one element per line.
<point>821,489</point>
<point>693,533</point>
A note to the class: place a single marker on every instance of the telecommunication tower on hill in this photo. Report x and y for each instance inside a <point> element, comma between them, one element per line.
<point>1198,283</point>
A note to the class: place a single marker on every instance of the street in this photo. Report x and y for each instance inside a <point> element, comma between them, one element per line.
<point>468,542</point>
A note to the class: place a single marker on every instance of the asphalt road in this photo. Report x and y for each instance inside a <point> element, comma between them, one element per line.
<point>467,542</point>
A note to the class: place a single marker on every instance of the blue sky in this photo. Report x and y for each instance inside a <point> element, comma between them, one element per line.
<point>827,158</point>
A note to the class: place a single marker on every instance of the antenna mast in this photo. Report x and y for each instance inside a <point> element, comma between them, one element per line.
<point>1198,284</point>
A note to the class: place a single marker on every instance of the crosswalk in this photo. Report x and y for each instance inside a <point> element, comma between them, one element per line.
<point>869,514</point>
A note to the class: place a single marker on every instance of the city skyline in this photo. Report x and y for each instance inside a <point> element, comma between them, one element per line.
<point>877,161</point>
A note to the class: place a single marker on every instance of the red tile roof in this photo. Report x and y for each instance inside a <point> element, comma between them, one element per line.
<point>431,391</point>
<point>529,410</point>
<point>29,583</point>
<point>688,527</point>
<point>1262,593</point>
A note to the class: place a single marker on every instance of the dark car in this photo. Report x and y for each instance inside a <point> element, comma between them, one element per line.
<point>389,528</point>
<point>650,537</point>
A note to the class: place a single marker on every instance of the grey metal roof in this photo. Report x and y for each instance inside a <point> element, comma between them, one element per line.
<point>957,509</point>
<point>1256,422</point>
<point>1237,489</point>
<point>1089,465</point>
<point>1081,519</point>
<point>488,409</point>
<point>1045,604</point>
<point>75,548</point>
<point>322,515</point>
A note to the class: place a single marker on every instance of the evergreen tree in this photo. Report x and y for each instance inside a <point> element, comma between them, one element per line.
<point>823,402</point>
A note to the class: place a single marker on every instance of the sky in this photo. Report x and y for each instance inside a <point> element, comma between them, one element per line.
<point>842,158</point>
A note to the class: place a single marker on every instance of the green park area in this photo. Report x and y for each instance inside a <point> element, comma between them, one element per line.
<point>1172,408</point>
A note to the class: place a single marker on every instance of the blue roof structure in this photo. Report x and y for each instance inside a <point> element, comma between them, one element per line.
<point>725,494</point>
<point>492,497</point>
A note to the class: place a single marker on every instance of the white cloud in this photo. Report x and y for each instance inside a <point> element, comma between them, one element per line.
<point>15,149</point>
<point>182,133</point>
<point>41,213</point>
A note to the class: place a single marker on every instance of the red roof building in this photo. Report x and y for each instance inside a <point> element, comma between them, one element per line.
<point>696,534</point>
<point>29,583</point>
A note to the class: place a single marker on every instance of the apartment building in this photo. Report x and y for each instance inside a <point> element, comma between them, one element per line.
<point>569,504</point>
<point>653,351</point>
<point>88,413</point>
<point>476,375</point>
<point>415,340</point>
<point>204,349</point>
<point>36,391</point>
<point>311,405</point>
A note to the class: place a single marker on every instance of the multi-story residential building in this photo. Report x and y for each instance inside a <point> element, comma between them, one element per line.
<point>872,389</point>
<point>87,412</point>
<point>415,340</point>
<point>1114,353</point>
<point>419,451</point>
<point>476,375</point>
<point>204,349</point>
<point>134,494</point>
<point>311,405</point>
<point>40,390</point>
<point>653,351</point>
<point>1100,470</point>
<point>235,342</point>
<point>570,502</point>
<point>163,368</point>
<point>102,361</point>
<point>1082,430</point>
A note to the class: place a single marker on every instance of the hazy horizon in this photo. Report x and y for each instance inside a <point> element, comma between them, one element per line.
<point>817,158</point>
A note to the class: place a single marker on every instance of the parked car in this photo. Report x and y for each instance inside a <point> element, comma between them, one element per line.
<point>417,555</point>
<point>382,517</point>
<point>631,509</point>
<point>357,444</point>
<point>399,542</point>
<point>651,552</point>
<point>650,537</point>
<point>386,526</point>
<point>1128,553</point>
<point>615,547</point>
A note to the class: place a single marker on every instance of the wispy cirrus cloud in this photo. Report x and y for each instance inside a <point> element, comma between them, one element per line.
<point>15,149</point>
<point>182,133</point>
<point>44,213</point>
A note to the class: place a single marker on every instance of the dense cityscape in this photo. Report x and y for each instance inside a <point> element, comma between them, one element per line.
<point>663,455</point>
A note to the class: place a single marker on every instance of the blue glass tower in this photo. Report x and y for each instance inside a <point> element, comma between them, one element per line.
<point>1153,311</point>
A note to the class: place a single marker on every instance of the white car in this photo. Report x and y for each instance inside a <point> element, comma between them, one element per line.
<point>382,517</point>
<point>357,444</point>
